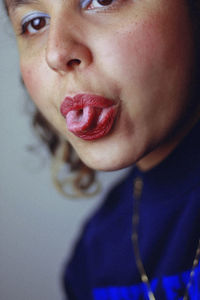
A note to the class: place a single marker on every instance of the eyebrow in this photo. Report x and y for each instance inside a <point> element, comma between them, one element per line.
<point>13,4</point>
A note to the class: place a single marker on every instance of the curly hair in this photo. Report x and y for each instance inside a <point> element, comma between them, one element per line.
<point>78,180</point>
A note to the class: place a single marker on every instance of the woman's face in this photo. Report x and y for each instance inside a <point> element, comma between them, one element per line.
<point>139,54</point>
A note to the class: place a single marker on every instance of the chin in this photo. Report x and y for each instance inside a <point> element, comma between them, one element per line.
<point>107,156</point>
<point>111,165</point>
<point>107,167</point>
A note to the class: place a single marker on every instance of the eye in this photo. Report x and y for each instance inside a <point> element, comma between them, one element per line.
<point>99,3</point>
<point>96,4</point>
<point>34,23</point>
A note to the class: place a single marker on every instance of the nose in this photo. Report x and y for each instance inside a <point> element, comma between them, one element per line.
<point>65,49</point>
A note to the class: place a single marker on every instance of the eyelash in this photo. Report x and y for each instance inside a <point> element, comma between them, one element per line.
<point>87,3</point>
<point>29,21</point>
<point>41,17</point>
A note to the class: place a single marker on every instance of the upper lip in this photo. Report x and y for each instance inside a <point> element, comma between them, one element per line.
<point>79,101</point>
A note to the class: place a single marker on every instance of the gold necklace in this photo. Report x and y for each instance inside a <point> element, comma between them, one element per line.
<point>137,192</point>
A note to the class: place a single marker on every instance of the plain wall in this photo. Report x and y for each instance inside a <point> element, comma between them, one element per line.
<point>38,226</point>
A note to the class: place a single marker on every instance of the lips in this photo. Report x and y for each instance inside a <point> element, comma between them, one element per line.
<point>89,117</point>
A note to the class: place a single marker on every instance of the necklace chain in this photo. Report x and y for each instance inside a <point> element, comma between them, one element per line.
<point>137,192</point>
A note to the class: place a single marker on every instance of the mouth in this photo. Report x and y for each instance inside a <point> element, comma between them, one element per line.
<point>89,117</point>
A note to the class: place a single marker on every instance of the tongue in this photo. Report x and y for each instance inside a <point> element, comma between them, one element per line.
<point>82,120</point>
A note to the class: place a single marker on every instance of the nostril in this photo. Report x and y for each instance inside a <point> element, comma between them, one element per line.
<point>73,62</point>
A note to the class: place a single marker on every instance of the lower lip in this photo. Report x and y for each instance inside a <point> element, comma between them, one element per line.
<point>89,117</point>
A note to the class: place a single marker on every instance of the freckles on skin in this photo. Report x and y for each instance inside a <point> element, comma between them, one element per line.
<point>32,77</point>
<point>34,74</point>
<point>29,78</point>
<point>39,89</point>
<point>44,89</point>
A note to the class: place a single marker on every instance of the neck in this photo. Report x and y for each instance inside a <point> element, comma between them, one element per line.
<point>155,157</point>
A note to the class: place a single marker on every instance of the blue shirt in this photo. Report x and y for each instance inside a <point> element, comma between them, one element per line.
<point>102,266</point>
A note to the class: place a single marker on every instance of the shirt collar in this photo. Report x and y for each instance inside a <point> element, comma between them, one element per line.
<point>177,173</point>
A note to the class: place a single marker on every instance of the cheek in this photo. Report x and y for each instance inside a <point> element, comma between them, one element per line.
<point>136,52</point>
<point>30,80</point>
<point>150,51</point>
<point>132,59</point>
<point>152,63</point>
<point>35,80</point>
<point>41,86</point>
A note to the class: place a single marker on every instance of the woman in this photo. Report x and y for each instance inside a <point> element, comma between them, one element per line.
<point>118,79</point>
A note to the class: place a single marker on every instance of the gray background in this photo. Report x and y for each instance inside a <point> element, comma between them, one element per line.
<point>37,225</point>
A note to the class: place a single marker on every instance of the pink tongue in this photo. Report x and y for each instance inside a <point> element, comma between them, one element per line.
<point>81,120</point>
